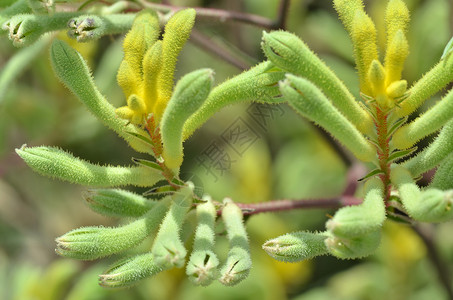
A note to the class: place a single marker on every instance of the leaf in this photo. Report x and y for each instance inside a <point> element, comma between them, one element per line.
<point>141,137</point>
<point>396,125</point>
<point>371,174</point>
<point>401,153</point>
<point>147,163</point>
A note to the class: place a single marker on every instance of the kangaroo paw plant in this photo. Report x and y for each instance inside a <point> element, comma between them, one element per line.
<point>374,129</point>
<point>159,115</point>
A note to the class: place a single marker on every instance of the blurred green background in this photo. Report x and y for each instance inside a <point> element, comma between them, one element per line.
<point>285,157</point>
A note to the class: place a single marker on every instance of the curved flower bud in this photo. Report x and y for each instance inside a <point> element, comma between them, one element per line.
<point>190,93</point>
<point>56,163</point>
<point>443,179</point>
<point>259,83</point>
<point>168,249</point>
<point>89,243</point>
<point>354,247</point>
<point>354,221</point>
<point>291,54</point>
<point>432,155</point>
<point>129,271</point>
<point>238,264</point>
<point>203,263</point>
<point>424,125</point>
<point>431,205</point>
<point>296,246</point>
<point>308,100</point>
<point>431,83</point>
<point>117,203</point>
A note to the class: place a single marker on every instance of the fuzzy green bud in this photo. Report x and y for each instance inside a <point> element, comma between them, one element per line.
<point>128,272</point>
<point>91,27</point>
<point>117,203</point>
<point>238,264</point>
<point>355,247</point>
<point>259,83</point>
<point>443,179</point>
<point>296,246</point>
<point>56,163</point>
<point>310,102</point>
<point>89,243</point>
<point>424,125</point>
<point>190,93</point>
<point>431,205</point>
<point>431,83</point>
<point>289,53</point>
<point>353,221</point>
<point>432,155</point>
<point>25,29</point>
<point>168,249</point>
<point>203,263</point>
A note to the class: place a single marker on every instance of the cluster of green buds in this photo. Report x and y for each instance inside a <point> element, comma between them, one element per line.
<point>153,121</point>
<point>160,115</point>
<point>374,129</point>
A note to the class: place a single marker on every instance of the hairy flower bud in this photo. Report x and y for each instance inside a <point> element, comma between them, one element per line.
<point>238,264</point>
<point>117,203</point>
<point>190,93</point>
<point>296,246</point>
<point>129,271</point>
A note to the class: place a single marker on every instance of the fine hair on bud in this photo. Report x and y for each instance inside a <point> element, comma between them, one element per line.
<point>296,246</point>
<point>238,263</point>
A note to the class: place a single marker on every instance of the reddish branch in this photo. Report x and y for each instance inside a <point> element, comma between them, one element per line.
<point>282,205</point>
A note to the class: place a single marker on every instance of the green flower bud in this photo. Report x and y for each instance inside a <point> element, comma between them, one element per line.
<point>425,124</point>
<point>202,266</point>
<point>259,83</point>
<point>56,163</point>
<point>90,243</point>
<point>91,27</point>
<point>434,154</point>
<point>72,70</point>
<point>353,221</point>
<point>25,29</point>
<point>190,93</point>
<point>443,179</point>
<point>289,53</point>
<point>168,249</point>
<point>296,246</point>
<point>431,83</point>
<point>431,205</point>
<point>117,203</point>
<point>238,264</point>
<point>310,102</point>
<point>355,247</point>
<point>129,271</point>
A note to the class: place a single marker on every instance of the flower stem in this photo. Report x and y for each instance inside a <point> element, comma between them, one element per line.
<point>384,149</point>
